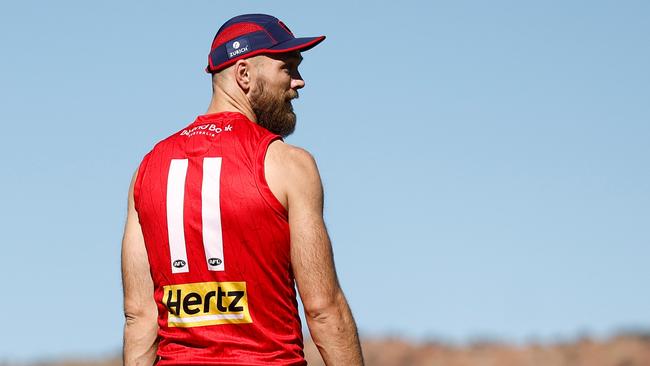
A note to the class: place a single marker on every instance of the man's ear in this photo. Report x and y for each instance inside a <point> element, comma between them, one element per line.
<point>243,70</point>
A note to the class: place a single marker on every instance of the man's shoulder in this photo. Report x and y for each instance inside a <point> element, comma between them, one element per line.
<point>290,157</point>
<point>291,171</point>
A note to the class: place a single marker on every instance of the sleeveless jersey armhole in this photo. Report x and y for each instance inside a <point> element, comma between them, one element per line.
<point>138,182</point>
<point>260,177</point>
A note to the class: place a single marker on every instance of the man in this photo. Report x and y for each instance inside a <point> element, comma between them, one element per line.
<point>208,260</point>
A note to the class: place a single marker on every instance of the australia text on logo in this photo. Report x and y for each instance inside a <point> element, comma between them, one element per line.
<point>206,303</point>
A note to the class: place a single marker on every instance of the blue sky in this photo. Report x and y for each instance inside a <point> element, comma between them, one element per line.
<point>485,163</point>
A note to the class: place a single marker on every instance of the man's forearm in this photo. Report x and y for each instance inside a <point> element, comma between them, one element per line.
<point>140,342</point>
<point>334,332</point>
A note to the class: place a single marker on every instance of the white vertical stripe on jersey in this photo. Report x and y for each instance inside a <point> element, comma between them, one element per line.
<point>211,214</point>
<point>176,231</point>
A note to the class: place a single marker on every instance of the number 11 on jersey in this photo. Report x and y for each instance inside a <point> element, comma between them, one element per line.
<point>210,215</point>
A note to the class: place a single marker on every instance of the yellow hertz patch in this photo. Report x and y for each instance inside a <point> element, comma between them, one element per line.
<point>206,303</point>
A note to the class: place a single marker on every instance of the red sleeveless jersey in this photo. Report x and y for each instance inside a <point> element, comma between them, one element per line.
<point>217,240</point>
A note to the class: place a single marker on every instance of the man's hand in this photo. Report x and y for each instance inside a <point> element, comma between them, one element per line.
<point>293,177</point>
<point>141,327</point>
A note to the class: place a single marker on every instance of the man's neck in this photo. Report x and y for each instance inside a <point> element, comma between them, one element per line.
<point>222,102</point>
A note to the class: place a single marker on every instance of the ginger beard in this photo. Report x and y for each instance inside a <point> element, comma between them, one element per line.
<point>274,111</point>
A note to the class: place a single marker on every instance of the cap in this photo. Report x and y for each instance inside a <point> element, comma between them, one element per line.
<point>252,34</point>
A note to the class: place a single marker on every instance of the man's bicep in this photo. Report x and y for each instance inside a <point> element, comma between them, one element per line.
<point>311,251</point>
<point>136,276</point>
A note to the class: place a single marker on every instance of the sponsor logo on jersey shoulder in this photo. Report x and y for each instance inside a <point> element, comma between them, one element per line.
<point>206,303</point>
<point>209,129</point>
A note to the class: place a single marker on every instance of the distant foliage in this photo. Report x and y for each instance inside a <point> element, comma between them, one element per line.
<point>630,348</point>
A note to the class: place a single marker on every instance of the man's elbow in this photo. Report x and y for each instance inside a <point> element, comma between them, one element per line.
<point>140,336</point>
<point>139,314</point>
<point>326,308</point>
<point>136,319</point>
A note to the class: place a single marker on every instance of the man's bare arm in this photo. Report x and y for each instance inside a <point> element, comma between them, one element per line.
<point>141,327</point>
<point>329,318</point>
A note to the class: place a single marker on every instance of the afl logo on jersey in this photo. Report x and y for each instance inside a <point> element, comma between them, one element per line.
<point>214,261</point>
<point>179,263</point>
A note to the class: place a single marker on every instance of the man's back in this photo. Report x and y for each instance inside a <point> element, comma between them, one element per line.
<point>218,245</point>
<point>207,229</point>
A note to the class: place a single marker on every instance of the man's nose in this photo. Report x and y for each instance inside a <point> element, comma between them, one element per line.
<point>296,81</point>
<point>297,84</point>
